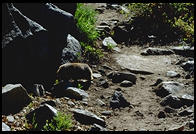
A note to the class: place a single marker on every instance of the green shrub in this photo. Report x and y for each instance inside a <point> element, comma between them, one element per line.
<point>61,122</point>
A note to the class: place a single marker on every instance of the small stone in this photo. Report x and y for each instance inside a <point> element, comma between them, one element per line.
<point>70,103</point>
<point>177,128</point>
<point>126,83</point>
<point>100,102</point>
<point>103,83</point>
<point>97,127</point>
<point>10,118</point>
<point>106,113</point>
<point>97,75</point>
<point>107,67</point>
<point>5,127</point>
<point>191,124</point>
<point>161,114</point>
<point>85,103</point>
<point>186,112</point>
<point>169,110</point>
<point>172,74</point>
<point>50,102</point>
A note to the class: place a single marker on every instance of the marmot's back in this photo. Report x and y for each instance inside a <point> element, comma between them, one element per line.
<point>74,71</point>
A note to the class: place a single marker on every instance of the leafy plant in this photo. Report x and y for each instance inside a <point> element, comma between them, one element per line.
<point>80,86</point>
<point>61,122</point>
<point>33,125</point>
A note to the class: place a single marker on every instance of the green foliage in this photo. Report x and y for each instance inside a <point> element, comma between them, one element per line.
<point>86,19</point>
<point>80,86</point>
<point>31,126</point>
<point>56,82</point>
<point>176,15</point>
<point>62,122</point>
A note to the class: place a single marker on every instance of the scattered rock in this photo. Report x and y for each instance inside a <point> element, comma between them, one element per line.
<point>72,50</point>
<point>172,74</point>
<point>122,32</point>
<point>109,43</point>
<point>185,51</point>
<point>176,128</point>
<point>70,103</point>
<point>169,87</point>
<point>100,9</point>
<point>139,71</point>
<point>10,118</point>
<point>5,127</point>
<point>41,114</point>
<point>106,113</point>
<point>169,110</point>
<point>126,83</point>
<point>117,49</point>
<point>103,28</point>
<point>96,75</point>
<point>49,102</point>
<point>172,101</point>
<point>157,82</point>
<point>187,99</point>
<point>186,112</point>
<point>97,127</point>
<point>86,117</point>
<point>100,102</point>
<point>125,10</point>
<point>188,66</point>
<point>107,67</point>
<point>103,83</point>
<point>161,114</point>
<point>118,77</point>
<point>37,90</point>
<point>14,98</point>
<point>118,100</point>
<point>191,124</point>
<point>101,71</point>
<point>75,93</point>
<point>156,51</point>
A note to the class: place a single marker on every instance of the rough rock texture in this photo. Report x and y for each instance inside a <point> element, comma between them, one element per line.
<point>156,51</point>
<point>43,113</point>
<point>186,51</point>
<point>97,127</point>
<point>5,127</point>
<point>172,74</point>
<point>87,117</point>
<point>33,37</point>
<point>14,98</point>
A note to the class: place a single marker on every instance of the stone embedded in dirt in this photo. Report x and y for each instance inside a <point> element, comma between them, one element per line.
<point>118,77</point>
<point>70,103</point>
<point>86,117</point>
<point>117,49</point>
<point>161,114</point>
<point>37,90</point>
<point>159,80</point>
<point>102,71</point>
<point>125,10</point>
<point>188,66</point>
<point>172,101</point>
<point>100,102</point>
<point>41,114</point>
<point>109,43</point>
<point>100,9</point>
<point>10,118</point>
<point>49,102</point>
<point>169,87</point>
<point>103,28</point>
<point>96,75</point>
<point>97,127</point>
<point>186,112</point>
<point>5,127</point>
<point>185,51</point>
<point>191,124</point>
<point>187,99</point>
<point>72,50</point>
<point>118,100</point>
<point>176,128</point>
<point>103,83</point>
<point>112,6</point>
<point>172,74</point>
<point>107,67</point>
<point>137,71</point>
<point>157,51</point>
<point>106,113</point>
<point>121,34</point>
<point>126,83</point>
<point>169,110</point>
<point>75,93</point>
<point>14,98</point>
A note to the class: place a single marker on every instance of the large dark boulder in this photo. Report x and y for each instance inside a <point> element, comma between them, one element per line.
<point>68,7</point>
<point>33,37</point>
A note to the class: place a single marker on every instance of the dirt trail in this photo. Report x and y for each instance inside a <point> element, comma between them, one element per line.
<point>144,114</point>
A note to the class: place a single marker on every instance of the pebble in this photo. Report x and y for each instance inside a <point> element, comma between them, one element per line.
<point>10,118</point>
<point>161,114</point>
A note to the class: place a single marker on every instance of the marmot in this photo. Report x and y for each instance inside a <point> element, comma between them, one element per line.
<point>74,71</point>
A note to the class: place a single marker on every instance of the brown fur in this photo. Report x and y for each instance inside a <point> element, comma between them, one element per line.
<point>74,71</point>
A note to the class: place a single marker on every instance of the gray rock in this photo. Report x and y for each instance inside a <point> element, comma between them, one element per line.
<point>14,98</point>
<point>37,90</point>
<point>86,117</point>
<point>186,112</point>
<point>126,83</point>
<point>118,100</point>
<point>176,128</point>
<point>118,77</point>
<point>107,67</point>
<point>169,110</point>
<point>172,74</point>
<point>41,114</point>
<point>172,101</point>
<point>49,102</point>
<point>186,51</point>
<point>96,75</point>
<point>117,49</point>
<point>72,50</point>
<point>125,10</point>
<point>161,114</point>
<point>5,127</point>
<point>169,87</point>
<point>109,42</point>
<point>106,113</point>
<point>103,83</point>
<point>75,93</point>
<point>187,99</point>
<point>191,124</point>
<point>188,66</point>
<point>97,127</point>
<point>159,80</point>
<point>100,9</point>
<point>137,71</point>
<point>10,118</point>
<point>70,103</point>
<point>157,51</point>
<point>103,28</point>
<point>122,32</point>
<point>100,102</point>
